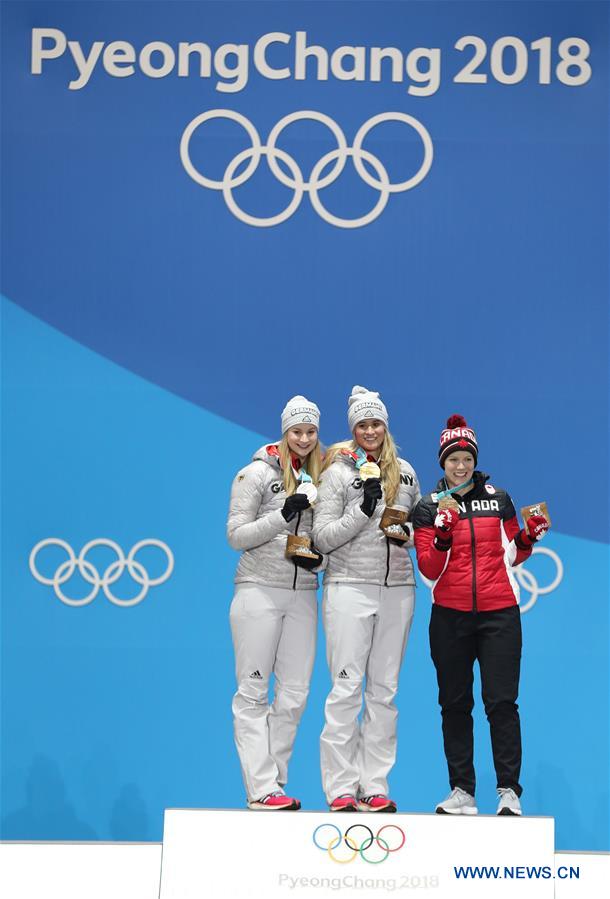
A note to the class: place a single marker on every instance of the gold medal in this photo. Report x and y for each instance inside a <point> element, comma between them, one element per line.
<point>369,470</point>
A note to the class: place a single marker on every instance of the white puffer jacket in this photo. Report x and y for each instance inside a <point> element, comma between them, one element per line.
<point>358,551</point>
<point>256,526</point>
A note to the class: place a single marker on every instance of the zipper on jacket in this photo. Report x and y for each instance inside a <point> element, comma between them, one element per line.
<point>387,566</point>
<point>474,562</point>
<point>296,568</point>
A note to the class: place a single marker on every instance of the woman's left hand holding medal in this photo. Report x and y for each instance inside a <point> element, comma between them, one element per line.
<point>294,505</point>
<point>306,488</point>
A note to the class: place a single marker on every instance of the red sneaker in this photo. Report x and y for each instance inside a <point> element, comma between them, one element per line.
<point>344,803</point>
<point>377,803</point>
<point>275,802</point>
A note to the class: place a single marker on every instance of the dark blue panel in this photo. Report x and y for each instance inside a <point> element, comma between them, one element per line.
<point>482,290</point>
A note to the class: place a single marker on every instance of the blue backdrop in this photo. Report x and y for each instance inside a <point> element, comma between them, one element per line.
<point>152,333</point>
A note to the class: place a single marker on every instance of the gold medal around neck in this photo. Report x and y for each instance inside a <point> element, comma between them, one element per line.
<point>310,490</point>
<point>369,470</point>
<point>448,502</point>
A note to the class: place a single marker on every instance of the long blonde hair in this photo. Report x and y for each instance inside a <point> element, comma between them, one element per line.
<point>388,463</point>
<point>312,465</point>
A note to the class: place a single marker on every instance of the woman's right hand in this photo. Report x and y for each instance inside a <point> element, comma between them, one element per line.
<point>372,495</point>
<point>445,522</point>
<point>294,504</point>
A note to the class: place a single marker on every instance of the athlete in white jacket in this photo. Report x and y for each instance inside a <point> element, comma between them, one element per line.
<point>369,594</point>
<point>274,610</point>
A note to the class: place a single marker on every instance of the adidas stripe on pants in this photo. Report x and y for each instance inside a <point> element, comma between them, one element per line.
<point>274,631</point>
<point>367,627</point>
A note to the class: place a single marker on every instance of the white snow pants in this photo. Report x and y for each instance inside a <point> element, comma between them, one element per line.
<point>367,627</point>
<point>274,631</point>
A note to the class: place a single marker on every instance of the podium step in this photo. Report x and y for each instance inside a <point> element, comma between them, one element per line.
<point>230,854</point>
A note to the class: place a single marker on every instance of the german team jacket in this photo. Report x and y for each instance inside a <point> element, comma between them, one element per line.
<point>257,527</point>
<point>472,572</point>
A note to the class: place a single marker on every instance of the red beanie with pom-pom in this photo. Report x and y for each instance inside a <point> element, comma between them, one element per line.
<point>457,436</point>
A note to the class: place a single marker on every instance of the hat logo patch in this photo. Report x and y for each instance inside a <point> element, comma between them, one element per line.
<point>457,432</point>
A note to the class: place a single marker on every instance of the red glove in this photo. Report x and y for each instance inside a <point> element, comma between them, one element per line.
<point>535,528</point>
<point>444,523</point>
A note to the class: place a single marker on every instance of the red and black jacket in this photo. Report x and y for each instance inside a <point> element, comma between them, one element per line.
<point>471,571</point>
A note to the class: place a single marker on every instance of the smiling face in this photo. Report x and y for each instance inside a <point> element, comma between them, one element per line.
<point>301,440</point>
<point>459,467</point>
<point>370,435</point>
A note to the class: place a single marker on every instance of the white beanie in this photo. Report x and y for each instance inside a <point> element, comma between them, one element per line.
<point>364,404</point>
<point>298,411</point>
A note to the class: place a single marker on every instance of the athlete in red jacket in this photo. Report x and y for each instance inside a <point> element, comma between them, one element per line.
<point>468,553</point>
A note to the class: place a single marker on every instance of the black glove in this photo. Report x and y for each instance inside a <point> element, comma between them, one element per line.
<point>405,528</point>
<point>308,564</point>
<point>294,504</point>
<point>372,495</point>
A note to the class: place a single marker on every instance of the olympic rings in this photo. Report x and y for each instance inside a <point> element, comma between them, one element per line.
<point>112,573</point>
<point>528,581</point>
<point>296,181</point>
<point>366,844</point>
<point>356,847</point>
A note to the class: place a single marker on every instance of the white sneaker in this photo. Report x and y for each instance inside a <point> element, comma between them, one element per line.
<point>509,802</point>
<point>458,802</point>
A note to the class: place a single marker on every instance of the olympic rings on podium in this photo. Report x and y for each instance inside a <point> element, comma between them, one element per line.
<point>359,847</point>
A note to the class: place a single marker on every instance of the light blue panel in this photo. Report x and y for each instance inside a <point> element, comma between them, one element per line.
<point>111,714</point>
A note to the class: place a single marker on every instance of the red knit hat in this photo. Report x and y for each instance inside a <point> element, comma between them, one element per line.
<point>457,436</point>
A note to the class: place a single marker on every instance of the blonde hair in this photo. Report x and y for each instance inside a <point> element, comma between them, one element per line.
<point>388,463</point>
<point>312,465</point>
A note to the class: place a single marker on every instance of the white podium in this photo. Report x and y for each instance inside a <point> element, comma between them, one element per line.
<point>262,855</point>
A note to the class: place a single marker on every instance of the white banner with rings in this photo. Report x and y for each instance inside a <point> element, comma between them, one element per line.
<point>323,854</point>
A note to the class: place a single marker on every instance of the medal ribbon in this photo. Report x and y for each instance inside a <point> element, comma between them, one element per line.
<point>302,476</point>
<point>360,457</point>
<point>454,489</point>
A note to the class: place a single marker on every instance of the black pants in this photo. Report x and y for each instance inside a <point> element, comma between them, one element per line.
<point>494,638</point>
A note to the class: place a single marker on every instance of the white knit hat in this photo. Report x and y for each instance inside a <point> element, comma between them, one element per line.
<point>298,411</point>
<point>364,404</point>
